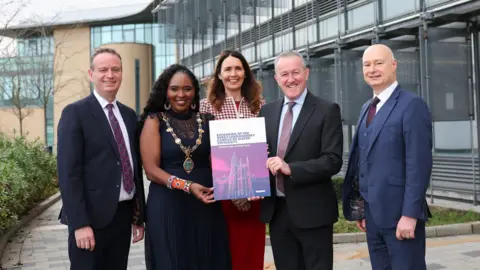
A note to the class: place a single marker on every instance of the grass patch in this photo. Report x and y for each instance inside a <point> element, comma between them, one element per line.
<point>440,216</point>
<point>444,216</point>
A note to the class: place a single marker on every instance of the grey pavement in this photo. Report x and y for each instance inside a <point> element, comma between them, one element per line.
<point>42,244</point>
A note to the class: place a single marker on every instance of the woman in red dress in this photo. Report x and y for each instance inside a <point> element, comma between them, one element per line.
<point>233,93</point>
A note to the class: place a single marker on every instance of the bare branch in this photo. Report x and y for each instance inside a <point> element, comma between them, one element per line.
<point>9,10</point>
<point>15,90</point>
<point>33,64</point>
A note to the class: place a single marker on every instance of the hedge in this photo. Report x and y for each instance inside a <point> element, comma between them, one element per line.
<point>27,176</point>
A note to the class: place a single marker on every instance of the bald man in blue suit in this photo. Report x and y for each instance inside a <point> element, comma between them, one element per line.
<point>389,168</point>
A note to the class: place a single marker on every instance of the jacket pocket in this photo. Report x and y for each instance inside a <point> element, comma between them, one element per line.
<point>396,181</point>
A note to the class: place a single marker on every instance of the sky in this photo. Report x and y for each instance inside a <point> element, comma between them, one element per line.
<point>49,8</point>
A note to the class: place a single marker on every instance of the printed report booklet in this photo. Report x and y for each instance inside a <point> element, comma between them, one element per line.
<point>239,156</point>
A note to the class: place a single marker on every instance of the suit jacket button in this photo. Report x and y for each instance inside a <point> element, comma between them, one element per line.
<point>118,163</point>
<point>118,186</point>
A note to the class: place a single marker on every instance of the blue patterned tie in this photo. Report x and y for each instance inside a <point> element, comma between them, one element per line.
<point>127,174</point>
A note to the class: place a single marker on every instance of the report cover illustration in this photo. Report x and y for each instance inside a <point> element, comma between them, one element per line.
<point>239,156</point>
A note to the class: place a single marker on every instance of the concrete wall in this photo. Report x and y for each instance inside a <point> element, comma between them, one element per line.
<point>33,124</point>
<point>71,65</point>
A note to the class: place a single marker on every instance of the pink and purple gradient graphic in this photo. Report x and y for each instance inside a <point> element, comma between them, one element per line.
<point>240,171</point>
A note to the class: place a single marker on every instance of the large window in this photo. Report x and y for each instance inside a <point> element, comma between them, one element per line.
<point>394,8</point>
<point>361,16</point>
<point>25,73</point>
<point>28,75</point>
<point>154,34</point>
<point>35,46</point>
<point>7,88</point>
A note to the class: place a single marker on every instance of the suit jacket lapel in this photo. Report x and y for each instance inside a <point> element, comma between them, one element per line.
<point>103,124</point>
<point>382,116</point>
<point>362,114</point>
<point>305,113</point>
<point>274,127</point>
<point>360,119</point>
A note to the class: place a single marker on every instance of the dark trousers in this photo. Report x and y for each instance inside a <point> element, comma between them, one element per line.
<point>112,244</point>
<point>297,248</point>
<point>389,253</point>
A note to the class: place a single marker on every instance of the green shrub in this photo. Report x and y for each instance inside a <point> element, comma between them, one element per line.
<point>27,176</point>
<point>337,185</point>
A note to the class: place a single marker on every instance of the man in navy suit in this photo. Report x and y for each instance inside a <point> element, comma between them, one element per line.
<point>389,168</point>
<point>99,173</point>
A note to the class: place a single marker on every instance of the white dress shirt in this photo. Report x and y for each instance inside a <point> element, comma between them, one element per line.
<point>385,95</point>
<point>124,196</point>
<point>296,112</point>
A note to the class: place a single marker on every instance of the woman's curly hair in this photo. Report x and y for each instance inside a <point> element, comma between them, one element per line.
<point>251,89</point>
<point>158,96</point>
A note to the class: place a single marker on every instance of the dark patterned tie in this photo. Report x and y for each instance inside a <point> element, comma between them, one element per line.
<point>372,110</point>
<point>284,139</point>
<point>127,174</point>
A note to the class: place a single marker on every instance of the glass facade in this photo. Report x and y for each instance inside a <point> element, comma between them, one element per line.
<point>437,60</point>
<point>264,28</point>
<point>437,57</point>
<point>26,77</point>
<point>153,34</point>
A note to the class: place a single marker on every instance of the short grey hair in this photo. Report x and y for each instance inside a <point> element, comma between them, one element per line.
<point>291,53</point>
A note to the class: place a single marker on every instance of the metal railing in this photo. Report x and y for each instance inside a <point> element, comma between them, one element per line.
<point>453,177</point>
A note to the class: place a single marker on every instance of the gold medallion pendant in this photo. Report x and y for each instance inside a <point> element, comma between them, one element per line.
<point>188,164</point>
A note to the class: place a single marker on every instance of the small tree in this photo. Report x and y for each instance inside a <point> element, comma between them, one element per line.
<point>21,104</point>
<point>48,66</point>
<point>16,91</point>
<point>12,85</point>
<point>42,61</point>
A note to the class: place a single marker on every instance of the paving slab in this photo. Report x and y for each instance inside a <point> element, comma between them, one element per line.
<point>42,244</point>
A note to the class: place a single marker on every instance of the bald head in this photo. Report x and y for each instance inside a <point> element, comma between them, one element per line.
<point>379,49</point>
<point>379,67</point>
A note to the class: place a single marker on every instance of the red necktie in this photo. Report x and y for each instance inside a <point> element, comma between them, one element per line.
<point>372,110</point>
<point>127,174</point>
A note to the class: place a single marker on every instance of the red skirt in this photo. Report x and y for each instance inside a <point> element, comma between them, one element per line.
<point>246,234</point>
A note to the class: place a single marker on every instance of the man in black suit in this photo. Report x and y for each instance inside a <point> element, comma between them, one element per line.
<point>305,138</point>
<point>98,172</point>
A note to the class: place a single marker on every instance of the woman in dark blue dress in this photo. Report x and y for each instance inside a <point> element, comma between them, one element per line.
<point>186,227</point>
